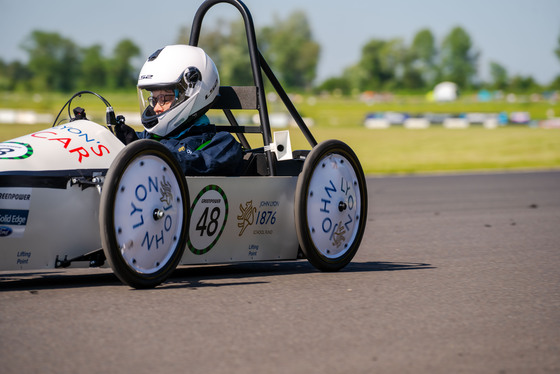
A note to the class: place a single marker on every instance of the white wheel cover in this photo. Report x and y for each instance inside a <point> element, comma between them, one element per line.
<point>148,214</point>
<point>333,206</point>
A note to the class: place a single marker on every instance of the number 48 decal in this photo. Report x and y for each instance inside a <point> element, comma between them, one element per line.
<point>210,212</point>
<point>208,225</point>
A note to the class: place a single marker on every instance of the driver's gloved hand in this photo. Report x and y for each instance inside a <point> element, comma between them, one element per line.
<point>125,133</point>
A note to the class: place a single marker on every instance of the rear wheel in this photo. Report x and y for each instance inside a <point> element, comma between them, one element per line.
<point>331,205</point>
<point>144,214</point>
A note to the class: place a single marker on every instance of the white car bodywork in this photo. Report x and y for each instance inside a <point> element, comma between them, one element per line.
<point>49,212</point>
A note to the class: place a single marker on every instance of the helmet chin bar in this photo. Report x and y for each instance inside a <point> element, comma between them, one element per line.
<point>149,117</point>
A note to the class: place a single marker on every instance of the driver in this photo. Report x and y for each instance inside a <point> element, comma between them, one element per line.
<point>176,87</point>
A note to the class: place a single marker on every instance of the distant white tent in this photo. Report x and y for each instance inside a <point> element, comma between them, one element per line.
<point>446,91</point>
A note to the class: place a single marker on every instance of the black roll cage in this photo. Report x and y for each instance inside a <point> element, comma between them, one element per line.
<point>250,97</point>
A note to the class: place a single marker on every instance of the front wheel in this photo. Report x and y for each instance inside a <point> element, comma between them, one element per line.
<point>144,214</point>
<point>331,205</point>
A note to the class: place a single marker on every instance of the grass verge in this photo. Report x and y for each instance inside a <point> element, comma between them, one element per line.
<point>402,151</point>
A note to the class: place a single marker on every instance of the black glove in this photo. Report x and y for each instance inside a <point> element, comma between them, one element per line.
<point>124,133</point>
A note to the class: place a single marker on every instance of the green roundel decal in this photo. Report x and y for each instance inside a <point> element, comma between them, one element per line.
<point>15,151</point>
<point>209,214</point>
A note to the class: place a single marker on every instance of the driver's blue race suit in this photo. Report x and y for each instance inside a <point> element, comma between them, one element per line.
<point>201,150</point>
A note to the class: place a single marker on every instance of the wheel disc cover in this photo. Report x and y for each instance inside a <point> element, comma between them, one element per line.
<point>148,214</point>
<point>333,206</point>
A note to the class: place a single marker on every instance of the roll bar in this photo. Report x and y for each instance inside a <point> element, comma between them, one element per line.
<point>258,65</point>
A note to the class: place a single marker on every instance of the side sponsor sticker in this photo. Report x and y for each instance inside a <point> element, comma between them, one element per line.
<point>15,150</point>
<point>14,211</point>
<point>262,218</point>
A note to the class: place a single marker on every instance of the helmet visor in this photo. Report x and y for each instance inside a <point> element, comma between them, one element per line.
<point>157,102</point>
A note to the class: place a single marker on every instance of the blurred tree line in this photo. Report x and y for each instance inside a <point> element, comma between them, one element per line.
<point>288,47</point>
<point>392,65</point>
<point>57,63</point>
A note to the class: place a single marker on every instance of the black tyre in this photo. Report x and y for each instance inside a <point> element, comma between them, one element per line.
<point>331,205</point>
<point>143,214</point>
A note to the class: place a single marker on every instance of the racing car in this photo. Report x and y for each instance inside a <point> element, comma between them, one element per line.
<point>75,195</point>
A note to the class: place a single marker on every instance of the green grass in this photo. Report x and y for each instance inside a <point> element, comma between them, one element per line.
<point>52,102</point>
<point>351,112</point>
<point>392,151</point>
<point>401,151</point>
<point>326,111</point>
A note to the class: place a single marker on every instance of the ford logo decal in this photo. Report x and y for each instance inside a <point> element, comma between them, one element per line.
<point>5,231</point>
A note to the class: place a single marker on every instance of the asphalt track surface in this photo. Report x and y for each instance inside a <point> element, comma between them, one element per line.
<point>456,274</point>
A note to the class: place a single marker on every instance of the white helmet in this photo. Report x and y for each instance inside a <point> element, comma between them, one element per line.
<point>190,74</point>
